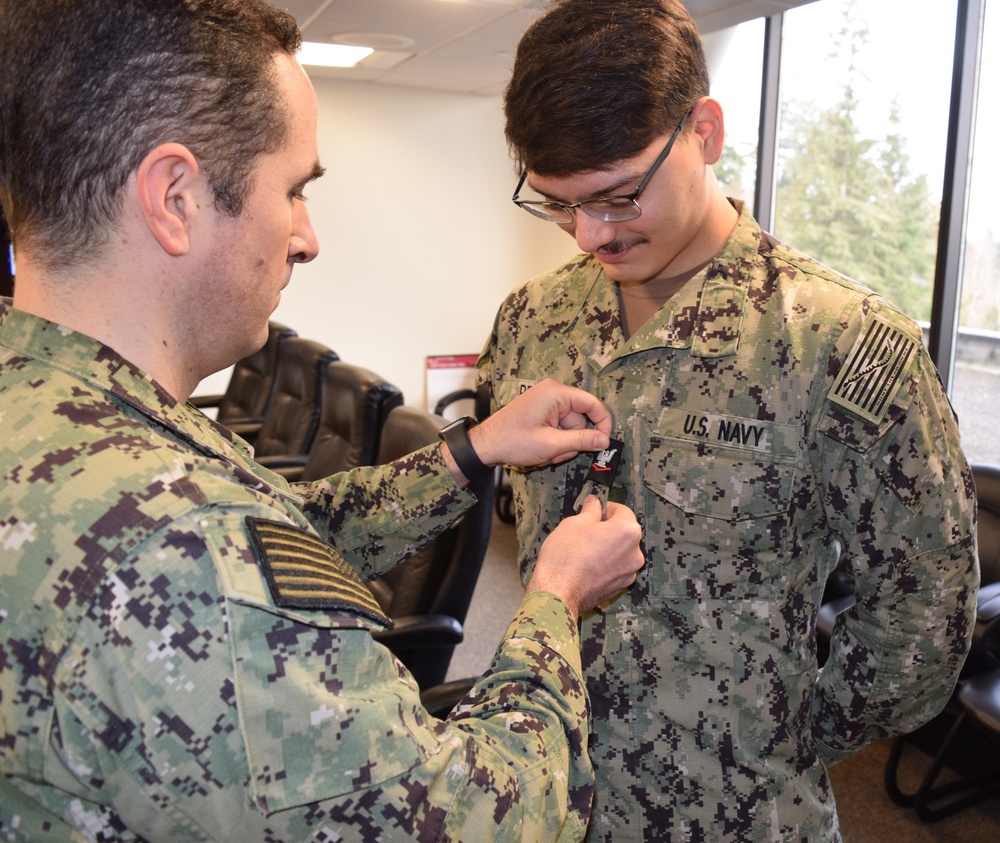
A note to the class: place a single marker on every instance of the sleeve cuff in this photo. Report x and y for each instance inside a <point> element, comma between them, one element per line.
<point>545,618</point>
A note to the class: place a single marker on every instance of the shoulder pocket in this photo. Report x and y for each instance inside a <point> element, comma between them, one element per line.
<point>323,712</point>
<point>876,382</point>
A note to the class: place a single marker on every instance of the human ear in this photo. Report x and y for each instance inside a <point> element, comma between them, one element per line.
<point>168,183</point>
<point>710,128</point>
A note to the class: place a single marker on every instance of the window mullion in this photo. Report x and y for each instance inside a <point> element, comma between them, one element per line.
<point>943,337</point>
<point>767,134</point>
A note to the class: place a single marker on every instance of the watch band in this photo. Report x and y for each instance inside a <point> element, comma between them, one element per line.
<point>456,437</point>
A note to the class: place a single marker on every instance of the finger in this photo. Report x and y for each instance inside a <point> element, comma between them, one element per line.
<point>569,443</point>
<point>571,401</point>
<point>585,404</point>
<point>591,508</point>
<point>573,421</point>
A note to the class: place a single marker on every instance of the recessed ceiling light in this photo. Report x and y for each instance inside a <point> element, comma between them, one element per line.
<point>378,40</point>
<point>332,55</point>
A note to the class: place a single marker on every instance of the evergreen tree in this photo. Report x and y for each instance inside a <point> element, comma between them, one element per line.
<point>851,201</point>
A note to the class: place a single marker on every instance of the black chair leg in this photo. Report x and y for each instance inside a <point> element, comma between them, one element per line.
<point>892,787</point>
<point>933,802</point>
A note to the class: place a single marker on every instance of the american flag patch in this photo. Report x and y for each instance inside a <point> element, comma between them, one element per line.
<point>306,573</point>
<point>868,381</point>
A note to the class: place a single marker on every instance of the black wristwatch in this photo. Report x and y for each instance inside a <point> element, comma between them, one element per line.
<point>456,437</point>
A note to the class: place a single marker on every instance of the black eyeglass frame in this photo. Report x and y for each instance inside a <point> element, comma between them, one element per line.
<point>534,207</point>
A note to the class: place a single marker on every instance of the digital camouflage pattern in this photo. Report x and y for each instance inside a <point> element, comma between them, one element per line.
<point>163,676</point>
<point>772,412</point>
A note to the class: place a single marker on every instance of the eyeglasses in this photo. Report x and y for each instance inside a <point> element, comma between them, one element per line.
<point>606,208</point>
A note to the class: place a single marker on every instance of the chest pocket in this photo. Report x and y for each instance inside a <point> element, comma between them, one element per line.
<point>727,484</point>
<point>721,467</point>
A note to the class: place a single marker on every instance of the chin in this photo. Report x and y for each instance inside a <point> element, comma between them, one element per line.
<point>256,340</point>
<point>620,273</point>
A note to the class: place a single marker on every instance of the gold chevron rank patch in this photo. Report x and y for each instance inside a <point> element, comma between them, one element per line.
<point>867,383</point>
<point>306,573</point>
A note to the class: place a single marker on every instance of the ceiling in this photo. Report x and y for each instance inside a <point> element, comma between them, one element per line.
<point>458,45</point>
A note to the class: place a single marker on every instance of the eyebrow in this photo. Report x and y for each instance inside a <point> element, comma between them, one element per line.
<point>316,172</point>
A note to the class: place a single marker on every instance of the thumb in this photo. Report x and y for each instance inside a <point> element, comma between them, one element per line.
<point>575,441</point>
<point>591,508</point>
<point>593,440</point>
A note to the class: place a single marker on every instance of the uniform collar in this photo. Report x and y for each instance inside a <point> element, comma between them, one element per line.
<point>706,315</point>
<point>105,370</point>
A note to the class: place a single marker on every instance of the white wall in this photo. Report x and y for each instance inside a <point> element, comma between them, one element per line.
<point>419,241</point>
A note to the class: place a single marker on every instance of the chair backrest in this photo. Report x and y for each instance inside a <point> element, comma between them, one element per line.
<point>987,479</point>
<point>984,654</point>
<point>292,417</point>
<point>354,406</point>
<point>441,577</point>
<point>251,385</point>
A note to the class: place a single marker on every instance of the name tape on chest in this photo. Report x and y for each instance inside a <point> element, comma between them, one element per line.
<point>304,572</point>
<point>873,370</point>
<point>720,430</point>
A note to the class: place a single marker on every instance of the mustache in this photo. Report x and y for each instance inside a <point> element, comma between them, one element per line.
<point>620,245</point>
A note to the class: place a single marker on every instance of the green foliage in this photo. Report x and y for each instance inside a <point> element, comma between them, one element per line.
<point>852,202</point>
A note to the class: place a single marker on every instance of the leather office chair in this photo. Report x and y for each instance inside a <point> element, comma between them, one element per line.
<point>976,702</point>
<point>428,595</point>
<point>503,497</point>
<point>251,385</point>
<point>291,420</point>
<point>353,409</point>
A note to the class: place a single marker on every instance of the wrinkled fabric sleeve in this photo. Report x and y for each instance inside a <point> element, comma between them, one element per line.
<point>376,516</point>
<point>194,707</point>
<point>900,498</point>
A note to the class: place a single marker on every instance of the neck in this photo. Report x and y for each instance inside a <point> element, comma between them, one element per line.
<point>713,232</point>
<point>110,307</point>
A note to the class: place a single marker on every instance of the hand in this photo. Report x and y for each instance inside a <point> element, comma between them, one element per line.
<point>587,561</point>
<point>547,424</point>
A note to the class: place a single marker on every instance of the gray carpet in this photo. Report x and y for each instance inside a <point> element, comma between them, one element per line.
<point>867,815</point>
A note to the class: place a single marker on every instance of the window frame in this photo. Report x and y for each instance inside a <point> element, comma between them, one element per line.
<point>943,332</point>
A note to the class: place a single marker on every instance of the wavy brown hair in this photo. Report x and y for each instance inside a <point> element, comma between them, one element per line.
<point>89,87</point>
<point>596,81</point>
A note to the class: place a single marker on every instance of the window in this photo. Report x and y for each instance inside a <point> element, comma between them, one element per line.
<point>976,381</point>
<point>736,85</point>
<point>865,91</point>
<point>862,100</point>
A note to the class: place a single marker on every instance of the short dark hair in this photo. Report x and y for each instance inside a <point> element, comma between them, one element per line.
<point>89,87</point>
<point>596,81</point>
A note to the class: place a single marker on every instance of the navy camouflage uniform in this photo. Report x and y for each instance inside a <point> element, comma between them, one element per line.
<point>167,673</point>
<point>773,414</point>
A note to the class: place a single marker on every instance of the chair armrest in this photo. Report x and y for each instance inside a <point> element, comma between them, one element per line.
<point>828,614</point>
<point>451,398</point>
<point>202,401</point>
<point>988,603</point>
<point>439,700</point>
<point>289,466</point>
<point>245,428</point>
<point>421,632</point>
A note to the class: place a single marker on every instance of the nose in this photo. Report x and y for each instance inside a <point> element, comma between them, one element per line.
<point>303,245</point>
<point>589,232</point>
